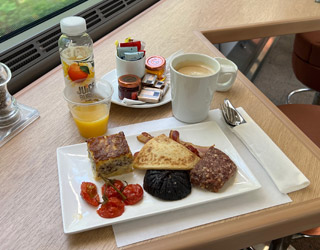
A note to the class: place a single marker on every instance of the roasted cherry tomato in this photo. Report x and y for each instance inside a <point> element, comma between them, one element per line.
<point>113,208</point>
<point>110,191</point>
<point>89,193</point>
<point>134,194</point>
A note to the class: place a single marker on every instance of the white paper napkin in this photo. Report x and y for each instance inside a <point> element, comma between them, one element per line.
<point>150,227</point>
<point>285,175</point>
<point>132,102</point>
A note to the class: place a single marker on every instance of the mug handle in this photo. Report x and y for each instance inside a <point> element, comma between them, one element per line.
<point>227,74</point>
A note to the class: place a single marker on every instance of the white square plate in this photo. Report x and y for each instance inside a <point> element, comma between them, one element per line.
<point>74,167</point>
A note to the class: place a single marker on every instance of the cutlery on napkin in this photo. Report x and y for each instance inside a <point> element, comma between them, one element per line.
<point>285,175</point>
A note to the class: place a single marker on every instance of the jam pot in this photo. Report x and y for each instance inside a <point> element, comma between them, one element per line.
<point>156,65</point>
<point>129,87</point>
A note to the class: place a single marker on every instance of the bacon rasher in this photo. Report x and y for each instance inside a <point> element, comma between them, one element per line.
<point>144,137</point>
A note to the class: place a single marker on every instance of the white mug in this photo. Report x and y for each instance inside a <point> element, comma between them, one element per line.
<point>130,67</point>
<point>192,94</point>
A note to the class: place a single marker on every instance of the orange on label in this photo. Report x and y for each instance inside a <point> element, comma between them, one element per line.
<point>78,73</point>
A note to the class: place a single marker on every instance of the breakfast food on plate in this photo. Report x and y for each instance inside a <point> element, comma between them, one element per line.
<point>133,194</point>
<point>172,167</point>
<point>114,207</point>
<point>109,155</point>
<point>90,194</point>
<point>130,194</point>
<point>213,170</point>
<point>200,151</point>
<point>144,137</point>
<point>113,190</point>
<point>115,196</point>
<point>161,152</point>
<point>167,184</point>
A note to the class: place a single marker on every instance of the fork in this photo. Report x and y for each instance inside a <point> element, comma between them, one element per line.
<point>230,114</point>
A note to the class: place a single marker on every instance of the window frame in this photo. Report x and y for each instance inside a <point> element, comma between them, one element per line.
<point>26,74</point>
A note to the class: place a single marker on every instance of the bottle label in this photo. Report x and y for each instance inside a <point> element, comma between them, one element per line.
<point>78,68</point>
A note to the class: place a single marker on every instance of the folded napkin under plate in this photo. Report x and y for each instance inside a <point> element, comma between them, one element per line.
<point>285,175</point>
<point>150,227</point>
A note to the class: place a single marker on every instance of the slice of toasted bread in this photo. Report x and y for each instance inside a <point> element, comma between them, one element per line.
<point>161,152</point>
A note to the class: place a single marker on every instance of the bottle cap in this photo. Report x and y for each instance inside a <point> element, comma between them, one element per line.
<point>73,25</point>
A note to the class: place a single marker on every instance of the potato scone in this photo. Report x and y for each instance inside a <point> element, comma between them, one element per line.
<point>213,170</point>
<point>110,155</point>
<point>161,152</point>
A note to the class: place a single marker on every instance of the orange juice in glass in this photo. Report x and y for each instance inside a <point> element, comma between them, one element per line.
<point>92,115</point>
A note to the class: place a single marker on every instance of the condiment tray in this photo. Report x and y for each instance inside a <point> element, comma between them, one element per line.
<point>112,78</point>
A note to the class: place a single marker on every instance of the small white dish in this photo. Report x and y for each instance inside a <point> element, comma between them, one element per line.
<point>112,78</point>
<point>74,167</point>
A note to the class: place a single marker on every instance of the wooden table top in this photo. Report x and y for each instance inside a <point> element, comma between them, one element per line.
<point>30,202</point>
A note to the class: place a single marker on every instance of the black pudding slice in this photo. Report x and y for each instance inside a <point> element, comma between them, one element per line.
<point>169,185</point>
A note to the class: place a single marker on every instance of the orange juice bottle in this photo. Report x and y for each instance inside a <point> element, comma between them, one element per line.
<point>76,53</point>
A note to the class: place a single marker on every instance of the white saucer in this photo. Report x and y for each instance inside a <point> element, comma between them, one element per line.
<point>112,78</point>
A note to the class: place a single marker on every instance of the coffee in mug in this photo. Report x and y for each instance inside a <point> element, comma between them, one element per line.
<point>194,69</point>
<point>194,79</point>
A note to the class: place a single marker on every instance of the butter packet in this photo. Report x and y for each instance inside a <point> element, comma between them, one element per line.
<point>150,95</point>
<point>149,80</point>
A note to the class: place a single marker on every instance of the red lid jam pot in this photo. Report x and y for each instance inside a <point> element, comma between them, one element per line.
<point>129,87</point>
